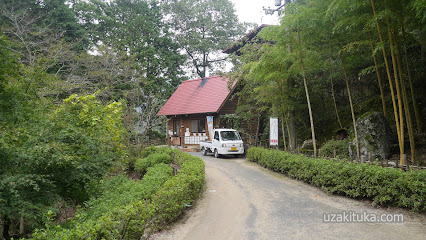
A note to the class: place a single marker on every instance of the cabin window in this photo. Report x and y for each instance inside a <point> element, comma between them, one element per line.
<point>198,126</point>
<point>216,136</point>
<point>176,128</point>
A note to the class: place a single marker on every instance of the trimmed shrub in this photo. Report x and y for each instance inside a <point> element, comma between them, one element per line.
<point>179,192</point>
<point>341,147</point>
<point>151,150</point>
<point>384,186</point>
<point>142,164</point>
<point>145,153</point>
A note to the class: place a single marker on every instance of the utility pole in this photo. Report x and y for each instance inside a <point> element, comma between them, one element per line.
<point>278,5</point>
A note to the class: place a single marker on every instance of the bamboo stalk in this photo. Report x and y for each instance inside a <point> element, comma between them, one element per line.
<point>352,108</point>
<point>405,99</point>
<point>334,101</point>
<point>395,109</point>
<point>398,92</point>
<point>350,101</point>
<point>379,79</point>
<point>413,98</point>
<point>307,95</point>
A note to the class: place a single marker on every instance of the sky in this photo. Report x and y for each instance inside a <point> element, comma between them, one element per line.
<point>252,11</point>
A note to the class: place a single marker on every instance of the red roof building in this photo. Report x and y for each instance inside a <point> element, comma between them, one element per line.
<point>196,96</point>
<point>187,109</point>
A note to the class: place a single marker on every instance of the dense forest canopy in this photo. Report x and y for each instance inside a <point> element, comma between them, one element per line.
<point>331,62</point>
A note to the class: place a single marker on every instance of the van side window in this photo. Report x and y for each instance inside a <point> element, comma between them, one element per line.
<point>216,136</point>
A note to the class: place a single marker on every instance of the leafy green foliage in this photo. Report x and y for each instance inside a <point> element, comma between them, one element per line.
<point>129,209</point>
<point>384,186</point>
<point>152,149</point>
<point>203,28</point>
<point>142,164</point>
<point>329,33</point>
<point>59,155</point>
<point>90,140</point>
<point>341,147</point>
<point>120,191</point>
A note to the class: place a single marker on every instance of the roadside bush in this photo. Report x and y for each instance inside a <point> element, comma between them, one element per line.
<point>179,192</point>
<point>142,164</point>
<point>384,186</point>
<point>153,149</point>
<point>341,147</point>
<point>119,191</point>
<point>132,214</point>
<point>130,163</point>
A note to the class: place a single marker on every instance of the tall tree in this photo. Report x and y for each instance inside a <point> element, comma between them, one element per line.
<point>136,28</point>
<point>203,29</point>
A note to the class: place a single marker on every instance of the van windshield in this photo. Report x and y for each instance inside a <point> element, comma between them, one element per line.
<point>230,136</point>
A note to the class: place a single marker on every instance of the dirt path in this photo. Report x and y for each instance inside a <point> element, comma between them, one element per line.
<point>245,201</point>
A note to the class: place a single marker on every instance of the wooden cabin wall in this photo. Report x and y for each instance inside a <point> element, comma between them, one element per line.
<point>185,121</point>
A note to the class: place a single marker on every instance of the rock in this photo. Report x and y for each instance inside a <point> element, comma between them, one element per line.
<point>374,136</point>
<point>308,145</point>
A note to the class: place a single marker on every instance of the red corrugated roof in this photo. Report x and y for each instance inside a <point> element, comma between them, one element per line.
<point>197,96</point>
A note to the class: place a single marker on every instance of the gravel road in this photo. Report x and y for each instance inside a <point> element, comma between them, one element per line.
<point>245,201</point>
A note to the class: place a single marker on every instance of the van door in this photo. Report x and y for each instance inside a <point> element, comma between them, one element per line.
<point>216,141</point>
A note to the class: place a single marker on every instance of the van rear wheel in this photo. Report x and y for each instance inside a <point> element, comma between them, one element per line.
<point>204,151</point>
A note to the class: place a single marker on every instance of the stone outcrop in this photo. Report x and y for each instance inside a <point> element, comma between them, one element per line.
<point>374,136</point>
<point>308,145</point>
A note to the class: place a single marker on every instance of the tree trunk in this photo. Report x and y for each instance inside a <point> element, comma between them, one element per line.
<point>283,129</point>
<point>257,130</point>
<point>379,79</point>
<point>21,225</point>
<point>307,95</point>
<point>291,129</point>
<point>292,136</point>
<point>288,133</point>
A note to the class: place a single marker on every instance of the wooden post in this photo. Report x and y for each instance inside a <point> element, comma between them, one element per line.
<point>404,158</point>
<point>369,158</point>
<point>21,225</point>
<point>334,153</point>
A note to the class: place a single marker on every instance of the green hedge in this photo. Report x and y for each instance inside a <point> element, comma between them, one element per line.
<point>120,190</point>
<point>384,186</point>
<point>143,215</point>
<point>142,164</point>
<point>152,149</point>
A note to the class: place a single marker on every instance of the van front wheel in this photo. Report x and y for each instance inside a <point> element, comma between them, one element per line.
<point>216,154</point>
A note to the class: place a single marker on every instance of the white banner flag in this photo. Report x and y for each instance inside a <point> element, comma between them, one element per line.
<point>273,132</point>
<point>210,126</point>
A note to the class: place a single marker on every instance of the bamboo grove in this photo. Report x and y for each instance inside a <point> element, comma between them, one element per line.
<point>331,61</point>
